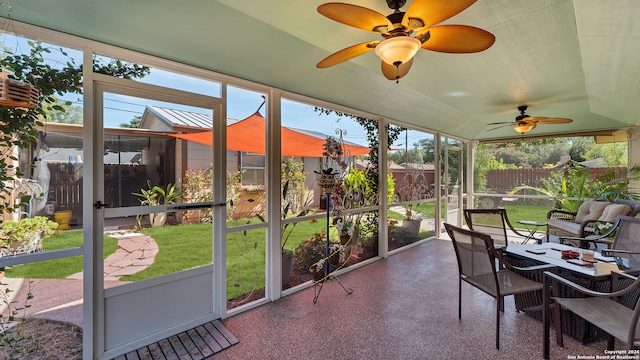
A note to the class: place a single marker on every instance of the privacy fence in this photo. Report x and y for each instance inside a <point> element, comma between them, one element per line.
<point>506,180</point>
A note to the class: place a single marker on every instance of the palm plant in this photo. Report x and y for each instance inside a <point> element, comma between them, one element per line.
<point>578,183</point>
<point>156,195</point>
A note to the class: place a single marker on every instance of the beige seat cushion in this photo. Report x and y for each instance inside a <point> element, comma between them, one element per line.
<point>612,211</point>
<point>590,210</point>
<point>567,226</point>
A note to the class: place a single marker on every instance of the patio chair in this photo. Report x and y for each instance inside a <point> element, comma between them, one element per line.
<point>604,310</point>
<point>493,222</point>
<point>625,245</point>
<point>477,257</point>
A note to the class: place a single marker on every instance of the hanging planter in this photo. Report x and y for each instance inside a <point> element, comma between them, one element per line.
<point>17,93</point>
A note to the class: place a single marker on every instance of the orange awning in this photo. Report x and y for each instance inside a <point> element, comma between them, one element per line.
<point>248,135</point>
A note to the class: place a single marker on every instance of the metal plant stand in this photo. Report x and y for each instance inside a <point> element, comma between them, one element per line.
<point>328,184</point>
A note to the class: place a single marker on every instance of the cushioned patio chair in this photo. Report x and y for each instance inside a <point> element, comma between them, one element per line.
<point>580,224</point>
<point>477,257</point>
<point>625,244</point>
<point>600,309</point>
<point>493,222</point>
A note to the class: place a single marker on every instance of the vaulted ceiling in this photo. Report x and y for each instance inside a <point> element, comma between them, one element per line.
<point>576,59</point>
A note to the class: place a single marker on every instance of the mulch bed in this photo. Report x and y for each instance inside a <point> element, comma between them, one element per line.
<point>42,339</point>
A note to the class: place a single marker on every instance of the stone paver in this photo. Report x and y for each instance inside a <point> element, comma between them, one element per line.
<point>135,252</point>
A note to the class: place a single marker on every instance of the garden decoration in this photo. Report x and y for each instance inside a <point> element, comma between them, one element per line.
<point>328,181</point>
<point>413,187</point>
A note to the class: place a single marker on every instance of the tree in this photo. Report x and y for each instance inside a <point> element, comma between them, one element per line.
<point>134,124</point>
<point>580,147</point>
<point>398,157</point>
<point>483,158</point>
<point>70,114</point>
<point>614,154</point>
<point>512,154</point>
<point>18,125</point>
<point>428,153</point>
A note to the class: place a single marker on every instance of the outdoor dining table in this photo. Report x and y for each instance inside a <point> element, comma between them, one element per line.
<point>595,276</point>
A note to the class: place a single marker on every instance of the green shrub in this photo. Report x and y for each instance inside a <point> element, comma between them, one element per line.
<point>310,252</point>
<point>22,230</point>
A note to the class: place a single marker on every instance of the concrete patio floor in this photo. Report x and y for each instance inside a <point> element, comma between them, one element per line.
<point>403,307</point>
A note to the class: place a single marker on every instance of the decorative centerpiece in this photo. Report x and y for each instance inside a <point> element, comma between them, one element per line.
<point>603,227</point>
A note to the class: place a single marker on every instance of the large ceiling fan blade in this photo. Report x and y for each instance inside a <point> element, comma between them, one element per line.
<point>501,126</point>
<point>457,39</point>
<point>546,120</point>
<point>393,72</point>
<point>426,13</point>
<point>503,122</point>
<point>347,54</point>
<point>356,16</point>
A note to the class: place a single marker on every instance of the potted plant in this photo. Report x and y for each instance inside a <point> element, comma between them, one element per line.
<point>156,195</point>
<point>26,235</point>
<point>411,220</point>
<point>310,256</point>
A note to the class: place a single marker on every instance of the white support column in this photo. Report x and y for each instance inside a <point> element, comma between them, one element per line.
<point>219,213</point>
<point>274,197</point>
<point>92,218</point>
<point>437,181</point>
<point>383,231</point>
<point>633,138</point>
<point>471,146</point>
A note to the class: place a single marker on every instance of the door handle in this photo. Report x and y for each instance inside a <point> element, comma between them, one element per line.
<point>99,205</point>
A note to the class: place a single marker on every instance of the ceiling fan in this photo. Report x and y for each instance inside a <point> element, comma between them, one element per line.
<point>404,33</point>
<point>525,123</point>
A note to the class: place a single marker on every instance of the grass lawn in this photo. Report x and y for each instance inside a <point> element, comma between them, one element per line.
<point>515,212</point>
<point>59,268</point>
<point>185,247</point>
<point>526,212</point>
<point>181,247</point>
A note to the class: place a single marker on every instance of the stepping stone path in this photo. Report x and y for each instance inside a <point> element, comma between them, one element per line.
<point>135,252</point>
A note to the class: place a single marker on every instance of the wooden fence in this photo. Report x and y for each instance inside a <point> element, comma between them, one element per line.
<point>120,181</point>
<point>506,180</point>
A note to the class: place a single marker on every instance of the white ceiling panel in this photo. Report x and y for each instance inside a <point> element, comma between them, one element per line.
<point>563,58</point>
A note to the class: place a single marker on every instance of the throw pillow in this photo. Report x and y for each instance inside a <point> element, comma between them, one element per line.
<point>590,210</point>
<point>611,212</point>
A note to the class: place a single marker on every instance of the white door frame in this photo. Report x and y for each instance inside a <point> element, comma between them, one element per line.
<point>105,307</point>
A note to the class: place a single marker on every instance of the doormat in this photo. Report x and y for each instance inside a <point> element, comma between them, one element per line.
<point>198,343</point>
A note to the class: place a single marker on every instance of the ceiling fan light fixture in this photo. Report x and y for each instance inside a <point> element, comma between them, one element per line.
<point>524,128</point>
<point>398,50</point>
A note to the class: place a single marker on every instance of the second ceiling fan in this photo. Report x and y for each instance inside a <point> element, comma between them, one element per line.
<point>404,33</point>
<point>525,123</point>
